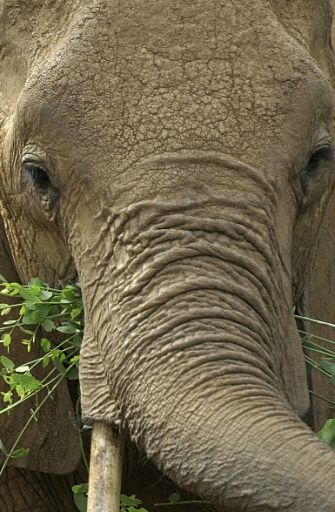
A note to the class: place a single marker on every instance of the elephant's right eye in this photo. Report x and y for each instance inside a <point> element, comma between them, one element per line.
<point>37,175</point>
<point>325,154</point>
<point>317,161</point>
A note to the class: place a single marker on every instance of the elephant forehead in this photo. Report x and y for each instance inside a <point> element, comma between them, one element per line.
<point>139,78</point>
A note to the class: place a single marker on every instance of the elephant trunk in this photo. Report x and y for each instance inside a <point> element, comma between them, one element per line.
<point>244,451</point>
<point>192,340</point>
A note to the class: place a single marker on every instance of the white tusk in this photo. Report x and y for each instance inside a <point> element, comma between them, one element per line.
<point>104,486</point>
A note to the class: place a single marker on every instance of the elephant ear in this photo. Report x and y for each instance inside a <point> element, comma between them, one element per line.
<point>320,305</point>
<point>53,440</point>
<point>309,23</point>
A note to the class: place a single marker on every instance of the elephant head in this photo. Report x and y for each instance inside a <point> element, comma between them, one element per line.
<point>178,156</point>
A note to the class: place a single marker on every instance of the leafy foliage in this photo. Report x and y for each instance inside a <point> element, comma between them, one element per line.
<point>131,504</point>
<point>80,496</point>
<point>36,315</point>
<point>40,309</point>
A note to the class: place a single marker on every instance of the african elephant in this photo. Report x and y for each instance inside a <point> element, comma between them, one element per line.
<point>178,157</point>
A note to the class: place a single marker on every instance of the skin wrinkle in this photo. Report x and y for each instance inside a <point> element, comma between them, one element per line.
<point>217,230</point>
<point>174,291</point>
<point>187,157</point>
<point>270,260</point>
<point>234,290</point>
<point>187,342</point>
<point>229,257</point>
<point>254,422</point>
<point>244,313</point>
<point>133,324</point>
<point>232,229</point>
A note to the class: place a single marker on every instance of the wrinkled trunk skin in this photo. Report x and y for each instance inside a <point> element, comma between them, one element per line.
<point>194,340</point>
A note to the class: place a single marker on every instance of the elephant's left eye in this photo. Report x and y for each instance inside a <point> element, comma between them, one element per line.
<point>325,154</point>
<point>38,175</point>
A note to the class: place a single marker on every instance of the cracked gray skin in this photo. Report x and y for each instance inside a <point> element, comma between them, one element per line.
<point>176,137</point>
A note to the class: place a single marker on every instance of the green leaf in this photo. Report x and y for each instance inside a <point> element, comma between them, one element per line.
<point>80,502</point>
<point>27,294</point>
<point>80,488</point>
<point>80,496</point>
<point>174,498</point>
<point>128,501</point>
<point>45,361</point>
<point>7,363</point>
<point>69,293</point>
<point>68,328</point>
<point>27,319</point>
<point>327,433</point>
<point>39,315</point>
<point>5,311</point>
<point>30,305</point>
<point>45,344</point>
<point>73,374</point>
<point>18,454</point>
<point>35,289</point>
<point>6,340</point>
<point>23,310</point>
<point>20,391</point>
<point>28,382</point>
<point>8,397</point>
<point>75,313</point>
<point>327,366</point>
<point>2,448</point>
<point>36,281</point>
<point>26,331</point>
<point>48,325</point>
<point>45,295</point>
<point>22,369</point>
<point>9,322</point>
